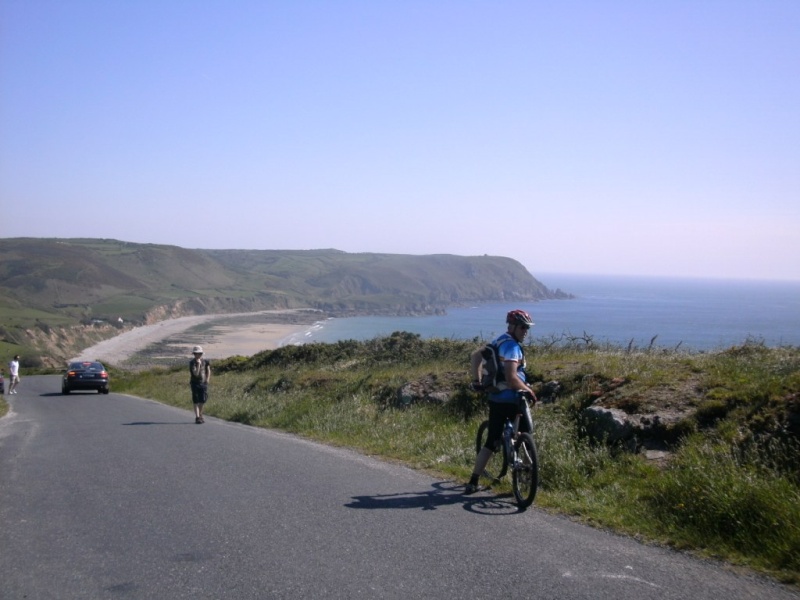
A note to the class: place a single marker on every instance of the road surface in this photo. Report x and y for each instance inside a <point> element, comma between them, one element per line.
<point>111,496</point>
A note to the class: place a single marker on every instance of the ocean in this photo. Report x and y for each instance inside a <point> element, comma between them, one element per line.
<point>691,314</point>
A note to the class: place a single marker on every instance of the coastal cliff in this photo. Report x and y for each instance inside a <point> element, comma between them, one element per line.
<point>57,293</point>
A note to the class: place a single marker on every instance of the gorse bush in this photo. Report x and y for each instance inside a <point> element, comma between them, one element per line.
<point>398,348</point>
<point>729,486</point>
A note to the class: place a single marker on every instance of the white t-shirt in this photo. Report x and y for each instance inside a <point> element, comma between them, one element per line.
<point>13,367</point>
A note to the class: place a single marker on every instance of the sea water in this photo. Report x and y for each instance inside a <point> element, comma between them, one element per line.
<point>690,314</point>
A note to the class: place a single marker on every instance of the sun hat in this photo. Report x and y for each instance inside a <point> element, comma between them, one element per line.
<point>197,350</point>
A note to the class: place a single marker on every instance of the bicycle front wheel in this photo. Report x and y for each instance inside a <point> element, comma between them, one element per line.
<point>498,465</point>
<point>525,470</point>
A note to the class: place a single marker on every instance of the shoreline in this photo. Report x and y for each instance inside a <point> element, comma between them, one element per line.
<point>224,335</point>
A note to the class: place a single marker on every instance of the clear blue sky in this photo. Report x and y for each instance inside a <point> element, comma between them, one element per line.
<point>597,136</point>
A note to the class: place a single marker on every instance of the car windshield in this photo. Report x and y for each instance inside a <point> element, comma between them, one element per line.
<point>86,366</point>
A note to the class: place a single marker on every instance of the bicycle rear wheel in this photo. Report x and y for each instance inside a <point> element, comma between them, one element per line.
<point>525,470</point>
<point>498,465</point>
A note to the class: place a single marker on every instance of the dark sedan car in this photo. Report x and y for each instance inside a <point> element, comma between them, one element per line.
<point>88,375</point>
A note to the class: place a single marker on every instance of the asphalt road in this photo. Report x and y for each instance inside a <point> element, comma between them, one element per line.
<point>111,496</point>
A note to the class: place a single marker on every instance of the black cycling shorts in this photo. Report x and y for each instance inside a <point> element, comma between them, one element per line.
<point>498,413</point>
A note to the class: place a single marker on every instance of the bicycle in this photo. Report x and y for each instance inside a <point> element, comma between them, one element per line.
<point>518,452</point>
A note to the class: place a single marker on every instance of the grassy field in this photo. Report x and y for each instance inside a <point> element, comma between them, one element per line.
<point>729,487</point>
<point>16,316</point>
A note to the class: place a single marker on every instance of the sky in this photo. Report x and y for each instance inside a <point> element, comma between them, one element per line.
<point>618,137</point>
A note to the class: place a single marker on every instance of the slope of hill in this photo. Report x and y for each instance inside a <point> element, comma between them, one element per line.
<point>339,282</point>
<point>48,283</point>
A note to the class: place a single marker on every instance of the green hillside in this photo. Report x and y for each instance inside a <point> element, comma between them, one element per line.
<point>73,283</point>
<point>79,279</point>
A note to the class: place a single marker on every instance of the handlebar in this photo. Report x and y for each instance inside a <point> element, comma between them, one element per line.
<point>527,398</point>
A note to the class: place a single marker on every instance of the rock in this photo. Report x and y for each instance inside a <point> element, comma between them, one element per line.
<point>549,392</point>
<point>607,424</point>
<point>651,431</point>
<point>415,392</point>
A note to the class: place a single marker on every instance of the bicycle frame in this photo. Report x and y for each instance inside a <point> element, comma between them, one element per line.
<point>519,453</point>
<point>511,430</point>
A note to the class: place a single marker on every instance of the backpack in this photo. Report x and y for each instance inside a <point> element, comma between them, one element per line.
<point>486,364</point>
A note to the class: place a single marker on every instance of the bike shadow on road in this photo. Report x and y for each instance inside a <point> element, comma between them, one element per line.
<point>444,493</point>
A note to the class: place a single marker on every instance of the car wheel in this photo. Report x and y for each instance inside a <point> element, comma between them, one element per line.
<point>65,390</point>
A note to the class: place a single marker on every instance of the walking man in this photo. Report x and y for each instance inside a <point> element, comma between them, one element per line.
<point>13,368</point>
<point>199,376</point>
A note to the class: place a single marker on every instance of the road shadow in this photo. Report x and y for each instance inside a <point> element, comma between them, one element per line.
<point>444,493</point>
<point>73,393</point>
<point>159,423</point>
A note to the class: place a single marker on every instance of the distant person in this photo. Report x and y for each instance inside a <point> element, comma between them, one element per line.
<point>504,400</point>
<point>13,369</point>
<point>199,376</point>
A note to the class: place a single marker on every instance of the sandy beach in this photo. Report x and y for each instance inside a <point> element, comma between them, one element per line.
<point>223,335</point>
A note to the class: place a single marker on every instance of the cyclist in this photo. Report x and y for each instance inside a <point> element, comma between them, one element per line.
<point>505,402</point>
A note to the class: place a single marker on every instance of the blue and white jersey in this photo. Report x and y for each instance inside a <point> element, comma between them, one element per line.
<point>509,349</point>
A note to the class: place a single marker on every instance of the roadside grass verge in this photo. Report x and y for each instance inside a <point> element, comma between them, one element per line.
<point>730,490</point>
